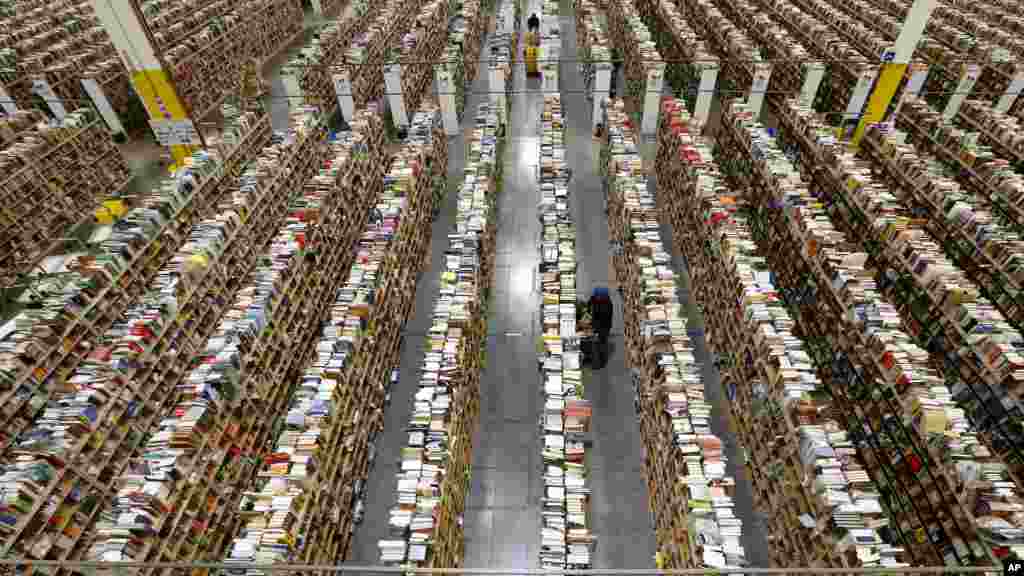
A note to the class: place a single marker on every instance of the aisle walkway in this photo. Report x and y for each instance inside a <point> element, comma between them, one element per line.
<point>502,520</point>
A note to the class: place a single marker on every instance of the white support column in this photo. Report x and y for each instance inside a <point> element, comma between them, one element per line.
<point>967,81</point>
<point>317,8</point>
<point>41,88</point>
<point>446,96</point>
<point>602,90</point>
<point>706,92</point>
<point>95,92</point>
<point>813,74</point>
<point>652,98</point>
<point>1010,96</point>
<point>497,84</point>
<point>758,88</point>
<point>918,75</point>
<point>860,92</point>
<point>6,102</point>
<point>343,91</point>
<point>550,54</point>
<point>393,87</point>
<point>293,87</point>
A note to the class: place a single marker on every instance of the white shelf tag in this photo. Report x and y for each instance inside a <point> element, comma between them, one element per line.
<point>705,93</point>
<point>446,96</point>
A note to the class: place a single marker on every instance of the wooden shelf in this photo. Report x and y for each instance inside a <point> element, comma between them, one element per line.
<point>79,306</point>
<point>886,382</point>
<point>55,179</point>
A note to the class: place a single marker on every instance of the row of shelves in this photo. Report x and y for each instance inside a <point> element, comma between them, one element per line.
<point>434,477</point>
<point>691,494</point>
<point>566,537</point>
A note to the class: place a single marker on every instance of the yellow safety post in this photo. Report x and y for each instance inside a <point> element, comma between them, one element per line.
<point>894,65</point>
<point>168,115</point>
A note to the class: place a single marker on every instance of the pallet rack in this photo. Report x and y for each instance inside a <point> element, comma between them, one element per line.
<point>955,220</point>
<point>190,471</point>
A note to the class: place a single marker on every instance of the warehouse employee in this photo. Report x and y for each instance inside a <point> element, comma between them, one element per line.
<point>533,24</point>
<point>601,312</point>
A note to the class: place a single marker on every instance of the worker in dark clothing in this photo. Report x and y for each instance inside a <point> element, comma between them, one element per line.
<point>601,312</point>
<point>533,24</point>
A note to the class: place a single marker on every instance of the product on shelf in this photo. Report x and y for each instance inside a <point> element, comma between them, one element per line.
<point>566,538</point>
<point>125,383</point>
<point>206,64</point>
<point>989,176</point>
<point>636,47</point>
<point>363,61</point>
<point>433,483</point>
<point>941,307</point>
<point>592,44</point>
<point>312,65</point>
<point>691,496</point>
<point>420,47</point>
<point>989,254</point>
<point>210,442</point>
<point>54,179</point>
<point>59,43</point>
<point>90,290</point>
<point>686,56</point>
<point>937,478</point>
<point>821,507</point>
<point>312,483</point>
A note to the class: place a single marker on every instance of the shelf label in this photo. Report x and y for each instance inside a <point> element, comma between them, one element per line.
<point>446,96</point>
<point>602,87</point>
<point>6,102</point>
<point>92,88</point>
<point>813,74</point>
<point>343,91</point>
<point>860,93</point>
<point>1010,96</point>
<point>652,99</point>
<point>42,89</point>
<point>393,86</point>
<point>762,75</point>
<point>175,132</point>
<point>705,93</point>
<point>963,89</point>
